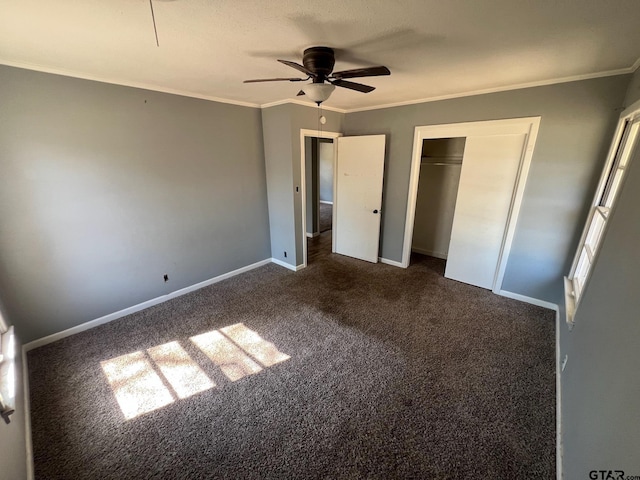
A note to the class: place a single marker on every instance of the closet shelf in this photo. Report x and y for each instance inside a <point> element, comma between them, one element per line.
<point>441,160</point>
<point>441,164</point>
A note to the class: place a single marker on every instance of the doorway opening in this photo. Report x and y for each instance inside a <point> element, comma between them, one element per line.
<point>319,173</point>
<point>357,195</point>
<point>318,164</point>
<point>439,177</point>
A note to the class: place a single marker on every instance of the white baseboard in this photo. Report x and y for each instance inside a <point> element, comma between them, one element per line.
<point>141,306</point>
<point>293,268</point>
<point>386,261</point>
<point>429,252</point>
<point>326,202</point>
<point>531,300</point>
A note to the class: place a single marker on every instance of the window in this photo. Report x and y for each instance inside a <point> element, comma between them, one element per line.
<point>7,374</point>
<point>3,328</point>
<point>625,143</point>
<point>7,370</point>
<point>3,325</point>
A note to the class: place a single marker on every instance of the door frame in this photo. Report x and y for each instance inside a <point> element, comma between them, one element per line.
<point>303,185</point>
<point>528,125</point>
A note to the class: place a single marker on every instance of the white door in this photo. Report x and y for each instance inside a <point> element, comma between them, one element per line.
<point>358,202</point>
<point>487,183</point>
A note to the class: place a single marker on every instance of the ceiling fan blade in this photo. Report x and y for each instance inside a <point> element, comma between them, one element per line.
<point>298,67</point>
<point>362,72</point>
<point>353,86</point>
<point>301,92</point>
<point>275,80</point>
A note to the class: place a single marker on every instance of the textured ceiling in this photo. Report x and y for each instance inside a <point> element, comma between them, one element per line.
<point>434,48</point>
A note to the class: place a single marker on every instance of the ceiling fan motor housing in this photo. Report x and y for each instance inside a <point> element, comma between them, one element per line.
<point>319,60</point>
<point>318,63</point>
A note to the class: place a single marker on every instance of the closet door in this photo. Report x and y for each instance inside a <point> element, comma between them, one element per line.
<point>485,193</point>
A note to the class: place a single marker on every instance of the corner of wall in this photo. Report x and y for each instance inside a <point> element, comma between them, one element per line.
<point>633,90</point>
<point>559,315</point>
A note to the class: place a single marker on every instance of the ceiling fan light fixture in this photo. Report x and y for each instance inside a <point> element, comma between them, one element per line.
<point>318,92</point>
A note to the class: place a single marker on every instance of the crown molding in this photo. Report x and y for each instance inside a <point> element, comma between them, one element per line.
<point>142,85</point>
<point>542,83</point>
<point>68,73</point>
<point>302,103</point>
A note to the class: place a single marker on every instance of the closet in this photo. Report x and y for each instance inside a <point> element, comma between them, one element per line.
<point>440,169</point>
<point>466,187</point>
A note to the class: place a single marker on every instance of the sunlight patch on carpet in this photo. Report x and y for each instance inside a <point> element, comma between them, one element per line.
<point>265,352</point>
<point>233,362</point>
<point>137,387</point>
<point>145,381</point>
<point>184,375</point>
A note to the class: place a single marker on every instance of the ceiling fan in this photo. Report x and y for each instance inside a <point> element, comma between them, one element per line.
<point>317,64</point>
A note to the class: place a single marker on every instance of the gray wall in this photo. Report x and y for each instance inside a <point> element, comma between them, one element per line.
<point>633,91</point>
<point>277,153</point>
<point>281,126</point>
<point>104,188</point>
<point>577,122</point>
<point>601,383</point>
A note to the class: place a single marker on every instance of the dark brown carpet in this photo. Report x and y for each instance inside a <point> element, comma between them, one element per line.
<point>392,374</point>
<point>326,217</point>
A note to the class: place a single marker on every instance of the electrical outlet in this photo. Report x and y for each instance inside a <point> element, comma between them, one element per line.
<point>166,277</point>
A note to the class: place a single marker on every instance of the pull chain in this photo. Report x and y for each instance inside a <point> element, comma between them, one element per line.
<point>153,18</point>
